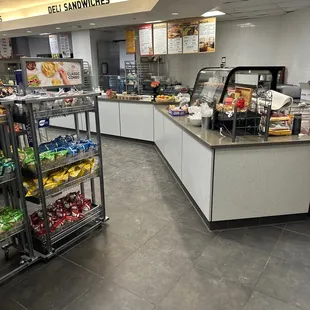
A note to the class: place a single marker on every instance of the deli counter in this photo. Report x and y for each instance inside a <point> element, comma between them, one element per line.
<point>243,183</point>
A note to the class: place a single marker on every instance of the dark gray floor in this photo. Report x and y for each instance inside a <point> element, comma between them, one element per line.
<point>155,253</point>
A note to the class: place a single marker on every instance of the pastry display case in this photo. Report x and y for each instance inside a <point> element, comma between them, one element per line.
<point>234,94</point>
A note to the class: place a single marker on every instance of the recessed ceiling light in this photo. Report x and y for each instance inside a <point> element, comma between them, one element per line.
<point>45,33</point>
<point>175,13</point>
<point>29,31</point>
<point>92,24</point>
<point>58,28</point>
<point>213,13</point>
<point>153,21</point>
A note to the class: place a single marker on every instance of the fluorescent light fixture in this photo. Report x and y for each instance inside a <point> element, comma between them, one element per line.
<point>29,31</point>
<point>153,21</point>
<point>45,34</point>
<point>92,24</point>
<point>4,34</point>
<point>58,28</point>
<point>246,25</point>
<point>213,13</point>
<point>175,13</point>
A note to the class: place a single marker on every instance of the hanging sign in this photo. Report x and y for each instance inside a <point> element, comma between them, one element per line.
<point>175,40</point>
<point>146,40</point>
<point>64,45</point>
<point>190,37</point>
<point>160,39</point>
<point>207,34</point>
<point>53,40</point>
<point>130,41</point>
<point>6,48</point>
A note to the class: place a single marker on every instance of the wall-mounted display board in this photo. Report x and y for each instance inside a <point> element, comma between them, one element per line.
<point>175,38</point>
<point>130,41</point>
<point>146,40</point>
<point>6,48</point>
<point>190,37</point>
<point>207,35</point>
<point>49,73</point>
<point>160,39</point>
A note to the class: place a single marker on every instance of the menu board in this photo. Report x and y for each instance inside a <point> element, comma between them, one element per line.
<point>175,38</point>
<point>130,41</point>
<point>6,48</point>
<point>53,39</point>
<point>53,73</point>
<point>146,40</point>
<point>190,37</point>
<point>160,39</point>
<point>207,34</point>
<point>64,45</point>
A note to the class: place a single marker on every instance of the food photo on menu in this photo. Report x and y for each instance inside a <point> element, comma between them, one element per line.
<point>174,31</point>
<point>51,73</point>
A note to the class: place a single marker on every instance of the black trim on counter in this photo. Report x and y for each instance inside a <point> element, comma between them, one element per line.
<point>135,101</point>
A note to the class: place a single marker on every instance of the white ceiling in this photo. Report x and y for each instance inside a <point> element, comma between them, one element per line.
<point>242,9</point>
<point>235,9</point>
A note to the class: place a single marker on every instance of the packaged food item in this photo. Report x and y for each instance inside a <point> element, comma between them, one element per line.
<point>74,172</point>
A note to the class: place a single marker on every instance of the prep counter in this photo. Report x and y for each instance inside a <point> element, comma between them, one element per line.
<point>248,182</point>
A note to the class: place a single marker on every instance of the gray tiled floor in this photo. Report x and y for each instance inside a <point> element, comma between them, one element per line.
<point>155,253</point>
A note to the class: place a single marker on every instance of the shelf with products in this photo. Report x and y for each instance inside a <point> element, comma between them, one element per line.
<point>14,221</point>
<point>11,222</point>
<point>7,178</point>
<point>63,163</point>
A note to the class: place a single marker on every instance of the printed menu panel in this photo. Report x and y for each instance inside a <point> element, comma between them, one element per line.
<point>175,40</point>
<point>130,41</point>
<point>53,73</point>
<point>146,40</point>
<point>190,37</point>
<point>53,39</point>
<point>64,45</point>
<point>6,48</point>
<point>207,34</point>
<point>160,39</point>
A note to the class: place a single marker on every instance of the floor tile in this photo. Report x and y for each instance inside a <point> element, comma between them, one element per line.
<point>138,225</point>
<point>200,291</point>
<point>54,286</point>
<point>261,238</point>
<point>175,192</point>
<point>260,301</point>
<point>148,273</point>
<point>178,242</point>
<point>101,252</point>
<point>166,208</point>
<point>233,261</point>
<point>287,281</point>
<point>302,227</point>
<point>6,303</point>
<point>190,218</point>
<point>108,296</point>
<point>294,247</point>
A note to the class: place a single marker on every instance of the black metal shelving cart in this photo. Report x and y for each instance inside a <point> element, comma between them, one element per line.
<point>15,233</point>
<point>51,242</point>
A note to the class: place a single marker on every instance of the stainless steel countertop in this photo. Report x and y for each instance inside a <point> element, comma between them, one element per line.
<point>214,140</point>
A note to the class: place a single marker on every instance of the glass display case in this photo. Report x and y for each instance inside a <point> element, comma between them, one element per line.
<point>233,94</point>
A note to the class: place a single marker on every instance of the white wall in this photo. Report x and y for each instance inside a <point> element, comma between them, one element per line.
<point>280,40</point>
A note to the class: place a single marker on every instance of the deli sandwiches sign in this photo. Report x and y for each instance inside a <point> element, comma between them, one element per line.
<point>76,5</point>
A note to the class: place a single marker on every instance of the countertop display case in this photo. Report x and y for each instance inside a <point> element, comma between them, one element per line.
<point>233,94</point>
